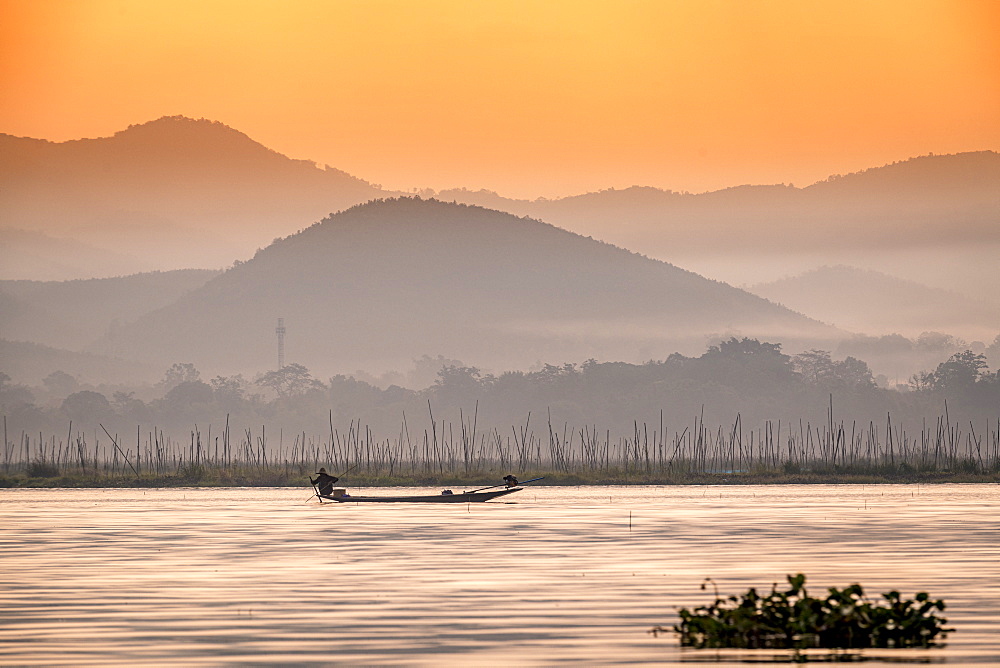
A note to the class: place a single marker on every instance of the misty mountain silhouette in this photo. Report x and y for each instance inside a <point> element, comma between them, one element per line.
<point>73,314</point>
<point>183,193</point>
<point>877,303</point>
<point>32,255</point>
<point>32,362</point>
<point>378,285</point>
<point>929,199</point>
<point>219,194</point>
<point>216,188</point>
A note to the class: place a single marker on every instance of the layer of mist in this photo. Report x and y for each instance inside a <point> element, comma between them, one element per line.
<point>871,302</point>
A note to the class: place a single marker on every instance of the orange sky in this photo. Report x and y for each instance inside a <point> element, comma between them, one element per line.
<point>526,98</point>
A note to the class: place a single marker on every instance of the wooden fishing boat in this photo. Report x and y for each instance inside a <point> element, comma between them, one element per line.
<point>341,496</point>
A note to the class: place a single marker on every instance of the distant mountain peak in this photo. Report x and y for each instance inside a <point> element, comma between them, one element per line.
<point>182,126</point>
<point>176,134</point>
<point>932,170</point>
<point>179,121</point>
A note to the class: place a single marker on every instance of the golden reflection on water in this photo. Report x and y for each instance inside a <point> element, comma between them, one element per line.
<point>555,575</point>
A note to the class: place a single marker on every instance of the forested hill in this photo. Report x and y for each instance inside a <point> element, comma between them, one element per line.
<point>381,284</point>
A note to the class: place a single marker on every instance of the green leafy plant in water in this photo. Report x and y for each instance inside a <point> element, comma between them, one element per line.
<point>794,620</point>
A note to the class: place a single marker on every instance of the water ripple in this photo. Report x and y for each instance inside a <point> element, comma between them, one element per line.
<point>561,575</point>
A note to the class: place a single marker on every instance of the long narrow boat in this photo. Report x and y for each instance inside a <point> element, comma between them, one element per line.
<point>463,497</point>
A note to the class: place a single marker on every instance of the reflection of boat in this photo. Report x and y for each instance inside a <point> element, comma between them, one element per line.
<point>341,496</point>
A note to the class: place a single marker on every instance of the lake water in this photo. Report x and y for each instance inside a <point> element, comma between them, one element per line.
<point>555,575</point>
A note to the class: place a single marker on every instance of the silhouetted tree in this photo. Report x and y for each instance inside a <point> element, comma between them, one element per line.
<point>229,390</point>
<point>939,342</point>
<point>179,373</point>
<point>960,372</point>
<point>744,362</point>
<point>819,369</point>
<point>87,406</point>
<point>122,401</point>
<point>747,349</point>
<point>60,383</point>
<point>14,397</point>
<point>425,370</point>
<point>993,353</point>
<point>127,406</point>
<point>188,393</point>
<point>289,381</point>
<point>922,381</point>
<point>457,383</point>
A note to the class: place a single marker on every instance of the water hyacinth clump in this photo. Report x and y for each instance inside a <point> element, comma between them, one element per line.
<point>792,619</point>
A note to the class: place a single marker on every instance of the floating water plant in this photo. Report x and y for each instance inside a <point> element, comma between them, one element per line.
<point>794,620</point>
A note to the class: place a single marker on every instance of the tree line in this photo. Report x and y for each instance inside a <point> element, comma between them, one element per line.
<point>745,377</point>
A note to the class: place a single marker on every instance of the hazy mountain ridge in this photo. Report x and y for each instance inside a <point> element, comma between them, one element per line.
<point>934,219</point>
<point>206,178</point>
<point>71,315</point>
<point>876,303</point>
<point>161,146</point>
<point>383,283</point>
<point>188,193</point>
<point>34,255</point>
<point>928,197</point>
<point>962,172</point>
<point>211,180</point>
<point>32,362</point>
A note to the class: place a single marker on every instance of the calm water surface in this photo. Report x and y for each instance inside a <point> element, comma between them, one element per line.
<point>555,576</point>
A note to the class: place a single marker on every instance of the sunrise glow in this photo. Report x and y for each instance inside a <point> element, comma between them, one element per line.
<point>529,99</point>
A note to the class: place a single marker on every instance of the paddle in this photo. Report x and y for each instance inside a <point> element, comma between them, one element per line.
<point>483,489</point>
<point>316,493</point>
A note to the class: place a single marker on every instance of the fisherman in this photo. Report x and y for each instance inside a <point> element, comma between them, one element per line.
<point>510,480</point>
<point>324,481</point>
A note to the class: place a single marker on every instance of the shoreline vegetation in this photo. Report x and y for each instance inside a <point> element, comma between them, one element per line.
<point>213,476</point>
<point>470,454</point>
<point>741,413</point>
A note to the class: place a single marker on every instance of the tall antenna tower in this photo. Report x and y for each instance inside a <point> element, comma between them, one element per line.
<point>280,331</point>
